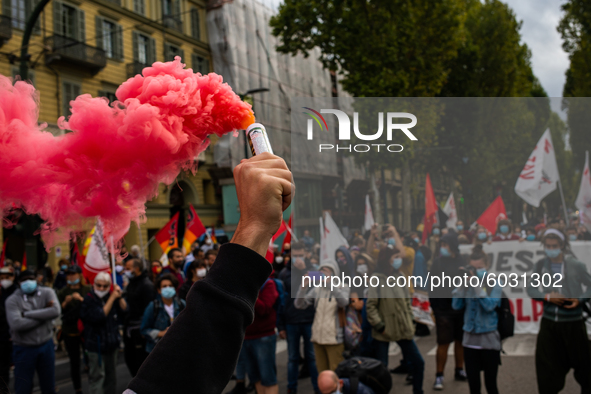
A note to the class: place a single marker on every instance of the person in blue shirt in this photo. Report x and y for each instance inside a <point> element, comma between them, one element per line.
<point>481,339</point>
<point>160,313</point>
<point>60,279</point>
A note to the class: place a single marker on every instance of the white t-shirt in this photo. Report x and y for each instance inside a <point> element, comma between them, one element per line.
<point>170,310</point>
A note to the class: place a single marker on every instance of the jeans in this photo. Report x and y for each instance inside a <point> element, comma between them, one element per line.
<point>260,360</point>
<point>102,376</point>
<point>73,344</point>
<point>411,355</point>
<point>294,333</point>
<point>27,359</point>
<point>5,362</point>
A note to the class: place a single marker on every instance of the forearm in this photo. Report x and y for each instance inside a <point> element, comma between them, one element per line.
<point>219,308</point>
<point>44,314</point>
<point>108,305</point>
<point>19,323</point>
<point>252,238</point>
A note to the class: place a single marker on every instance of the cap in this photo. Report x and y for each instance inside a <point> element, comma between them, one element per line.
<point>74,269</point>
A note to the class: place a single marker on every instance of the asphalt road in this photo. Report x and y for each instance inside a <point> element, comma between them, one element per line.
<point>517,373</point>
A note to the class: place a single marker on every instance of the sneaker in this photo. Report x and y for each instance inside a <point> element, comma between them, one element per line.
<point>438,383</point>
<point>461,375</point>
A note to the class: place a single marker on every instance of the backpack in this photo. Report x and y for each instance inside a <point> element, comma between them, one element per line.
<point>368,371</point>
<point>280,301</point>
<point>506,320</point>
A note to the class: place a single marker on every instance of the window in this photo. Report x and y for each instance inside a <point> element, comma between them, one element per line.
<point>70,91</point>
<point>19,11</point>
<point>16,72</point>
<point>200,64</point>
<point>170,51</point>
<point>195,24</point>
<point>109,95</point>
<point>144,49</point>
<point>139,6</point>
<point>68,21</point>
<point>171,14</point>
<point>109,37</point>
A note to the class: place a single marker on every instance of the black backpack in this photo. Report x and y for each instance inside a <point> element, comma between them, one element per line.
<point>506,320</point>
<point>368,371</point>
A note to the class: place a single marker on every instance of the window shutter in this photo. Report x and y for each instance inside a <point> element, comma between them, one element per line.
<point>176,9</point>
<point>81,26</point>
<point>195,25</point>
<point>135,43</point>
<point>151,55</point>
<point>6,8</point>
<point>99,32</point>
<point>58,27</point>
<point>119,42</point>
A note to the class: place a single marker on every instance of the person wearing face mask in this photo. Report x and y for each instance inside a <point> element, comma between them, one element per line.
<point>329,383</point>
<point>295,324</point>
<point>448,321</point>
<point>562,341</point>
<point>197,271</point>
<point>505,232</point>
<point>138,294</point>
<point>530,235</point>
<point>162,311</point>
<point>7,287</point>
<point>329,319</point>
<point>389,312</point>
<point>345,261</point>
<point>481,339</point>
<point>98,313</point>
<point>60,278</point>
<point>119,268</point>
<point>70,298</point>
<point>155,270</point>
<point>207,244</point>
<point>364,265</point>
<point>30,311</point>
<point>278,264</point>
<point>572,234</point>
<point>461,230</point>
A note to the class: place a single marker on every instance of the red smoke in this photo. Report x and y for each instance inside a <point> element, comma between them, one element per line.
<point>115,157</point>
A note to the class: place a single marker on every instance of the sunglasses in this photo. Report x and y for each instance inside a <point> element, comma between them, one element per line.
<point>99,286</point>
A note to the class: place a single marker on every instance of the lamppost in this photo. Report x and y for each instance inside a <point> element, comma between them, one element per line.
<point>242,97</point>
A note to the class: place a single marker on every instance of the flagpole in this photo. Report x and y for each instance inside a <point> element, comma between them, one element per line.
<point>113,261</point>
<point>563,203</point>
<point>139,231</point>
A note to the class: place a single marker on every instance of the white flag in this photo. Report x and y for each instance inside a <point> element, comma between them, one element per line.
<point>583,202</point>
<point>97,257</point>
<point>368,214</point>
<point>450,210</point>
<point>540,173</point>
<point>323,254</point>
<point>333,238</point>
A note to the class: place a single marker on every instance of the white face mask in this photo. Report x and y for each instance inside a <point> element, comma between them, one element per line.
<point>362,269</point>
<point>201,272</point>
<point>119,268</point>
<point>208,241</point>
<point>101,293</point>
<point>279,259</point>
<point>6,283</point>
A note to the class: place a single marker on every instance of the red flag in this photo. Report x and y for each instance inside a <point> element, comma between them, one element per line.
<point>167,237</point>
<point>431,208</point>
<point>287,238</point>
<point>270,256</point>
<point>213,237</point>
<point>3,255</point>
<point>24,263</point>
<point>75,258</point>
<point>491,216</point>
<point>194,229</point>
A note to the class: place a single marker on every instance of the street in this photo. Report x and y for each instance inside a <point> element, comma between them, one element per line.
<point>517,374</point>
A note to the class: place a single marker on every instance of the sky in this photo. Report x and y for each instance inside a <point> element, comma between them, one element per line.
<point>540,19</point>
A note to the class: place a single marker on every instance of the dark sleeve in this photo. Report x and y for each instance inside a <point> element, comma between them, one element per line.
<point>201,347</point>
<point>91,311</point>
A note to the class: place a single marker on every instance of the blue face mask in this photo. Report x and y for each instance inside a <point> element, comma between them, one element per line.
<point>397,263</point>
<point>444,252</point>
<point>572,237</point>
<point>64,267</point>
<point>28,286</point>
<point>482,236</point>
<point>460,227</point>
<point>168,292</point>
<point>74,282</point>
<point>392,241</point>
<point>417,240</point>
<point>504,229</point>
<point>436,231</point>
<point>480,272</point>
<point>316,267</point>
<point>553,253</point>
<point>531,237</point>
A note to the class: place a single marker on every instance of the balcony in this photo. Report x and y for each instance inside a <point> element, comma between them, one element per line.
<point>173,22</point>
<point>134,68</point>
<point>67,51</point>
<point>5,29</point>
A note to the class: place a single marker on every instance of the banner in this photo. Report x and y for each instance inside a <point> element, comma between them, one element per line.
<point>583,202</point>
<point>515,256</point>
<point>167,237</point>
<point>540,173</point>
<point>194,229</point>
<point>450,210</point>
<point>369,222</point>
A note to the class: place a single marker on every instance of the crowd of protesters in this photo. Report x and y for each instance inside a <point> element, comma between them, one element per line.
<point>97,321</point>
